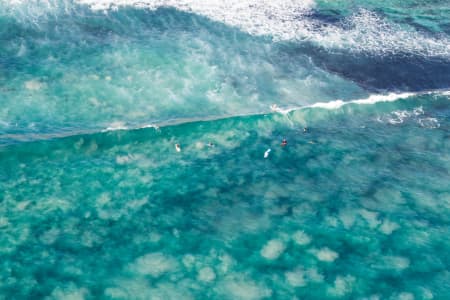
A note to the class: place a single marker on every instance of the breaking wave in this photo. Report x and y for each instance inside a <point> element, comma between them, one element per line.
<point>363,31</point>
<point>288,20</point>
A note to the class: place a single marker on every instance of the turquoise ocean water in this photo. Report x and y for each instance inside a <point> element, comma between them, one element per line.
<point>96,203</point>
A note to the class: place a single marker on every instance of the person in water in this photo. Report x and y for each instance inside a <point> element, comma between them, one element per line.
<point>177,147</point>
<point>284,143</point>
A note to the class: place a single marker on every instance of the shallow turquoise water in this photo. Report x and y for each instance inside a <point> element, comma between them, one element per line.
<point>354,207</point>
<point>96,203</point>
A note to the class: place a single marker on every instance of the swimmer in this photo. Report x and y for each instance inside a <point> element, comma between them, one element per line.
<point>210,144</point>
<point>284,143</point>
<point>274,107</point>
<point>266,154</point>
<point>177,147</point>
<point>305,129</point>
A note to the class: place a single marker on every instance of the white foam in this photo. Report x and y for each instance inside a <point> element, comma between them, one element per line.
<point>273,249</point>
<point>364,31</point>
<point>329,105</point>
<point>258,17</point>
<point>418,111</point>
<point>400,116</point>
<point>372,99</point>
<point>116,126</point>
<point>430,123</point>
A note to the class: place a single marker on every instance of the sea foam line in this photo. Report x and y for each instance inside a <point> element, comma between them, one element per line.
<point>372,99</point>
<point>336,104</point>
<point>122,126</point>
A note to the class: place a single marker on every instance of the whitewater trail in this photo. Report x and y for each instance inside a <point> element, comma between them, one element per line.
<point>372,99</point>
<point>363,31</point>
<point>336,104</point>
<point>122,126</point>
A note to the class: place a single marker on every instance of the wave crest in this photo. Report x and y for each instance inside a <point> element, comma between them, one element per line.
<point>286,20</point>
<point>363,31</point>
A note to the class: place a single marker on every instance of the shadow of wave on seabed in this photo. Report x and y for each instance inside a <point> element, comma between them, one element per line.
<point>381,73</point>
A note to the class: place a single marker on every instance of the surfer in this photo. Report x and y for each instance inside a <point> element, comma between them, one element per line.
<point>274,107</point>
<point>177,147</point>
<point>283,143</point>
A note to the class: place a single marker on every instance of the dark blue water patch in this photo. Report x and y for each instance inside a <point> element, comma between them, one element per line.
<point>398,72</point>
<point>329,16</point>
<point>445,27</point>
